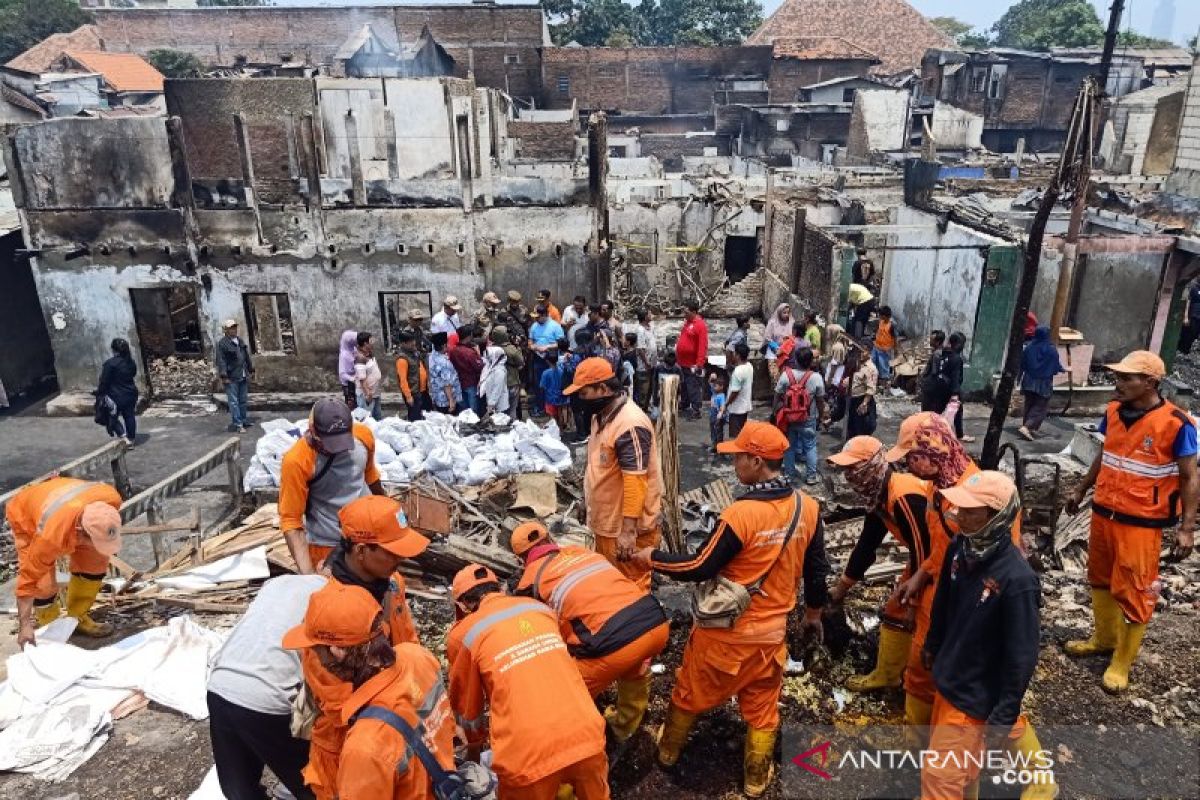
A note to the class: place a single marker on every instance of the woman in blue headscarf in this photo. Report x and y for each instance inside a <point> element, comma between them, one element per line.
<point>1039,365</point>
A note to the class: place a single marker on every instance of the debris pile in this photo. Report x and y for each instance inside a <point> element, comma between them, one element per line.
<point>458,450</point>
<point>179,377</point>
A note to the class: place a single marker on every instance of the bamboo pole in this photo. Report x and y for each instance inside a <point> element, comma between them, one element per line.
<point>668,459</point>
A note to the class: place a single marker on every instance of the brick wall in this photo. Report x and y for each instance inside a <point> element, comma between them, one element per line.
<point>789,74</point>
<point>670,149</point>
<point>545,141</point>
<point>1187,155</point>
<point>650,80</point>
<point>743,297</point>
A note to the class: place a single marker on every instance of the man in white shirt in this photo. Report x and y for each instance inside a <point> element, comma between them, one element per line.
<point>739,399</point>
<point>447,320</point>
<point>251,689</point>
<point>578,310</point>
<point>647,358</point>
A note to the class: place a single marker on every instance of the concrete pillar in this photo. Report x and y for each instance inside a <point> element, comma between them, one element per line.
<point>358,188</point>
<point>600,255</point>
<point>242,134</point>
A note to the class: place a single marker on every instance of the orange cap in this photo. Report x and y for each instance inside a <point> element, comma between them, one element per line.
<point>590,372</point>
<point>907,439</point>
<point>758,439</point>
<point>526,535</point>
<point>102,523</point>
<point>376,519</point>
<point>339,615</point>
<point>858,449</point>
<point>469,577</point>
<point>1140,362</point>
<point>989,489</point>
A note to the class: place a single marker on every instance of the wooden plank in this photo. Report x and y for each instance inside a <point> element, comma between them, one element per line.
<point>76,468</point>
<point>172,485</point>
<point>668,460</point>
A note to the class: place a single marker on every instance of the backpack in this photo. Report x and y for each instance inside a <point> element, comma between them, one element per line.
<point>797,401</point>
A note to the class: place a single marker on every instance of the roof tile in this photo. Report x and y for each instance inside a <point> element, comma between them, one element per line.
<point>124,72</point>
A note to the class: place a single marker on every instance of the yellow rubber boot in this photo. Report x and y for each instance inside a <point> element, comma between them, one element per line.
<point>632,698</point>
<point>1129,642</point>
<point>917,711</point>
<point>1107,615</point>
<point>758,764</point>
<point>1028,747</point>
<point>673,734</point>
<point>81,595</point>
<point>889,662</point>
<point>565,792</point>
<point>44,615</point>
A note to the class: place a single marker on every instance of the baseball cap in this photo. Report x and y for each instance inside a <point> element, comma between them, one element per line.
<point>469,577</point>
<point>1140,362</point>
<point>758,439</point>
<point>858,449</point>
<point>514,295</point>
<point>229,323</point>
<point>907,438</point>
<point>417,313</point>
<point>491,297</point>
<point>452,302</point>
<point>376,519</point>
<point>589,372</point>
<point>331,421</point>
<point>102,523</point>
<point>541,311</point>
<point>988,488</point>
<point>526,535</point>
<point>338,615</point>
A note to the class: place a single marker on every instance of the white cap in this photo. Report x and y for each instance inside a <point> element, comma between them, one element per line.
<point>229,323</point>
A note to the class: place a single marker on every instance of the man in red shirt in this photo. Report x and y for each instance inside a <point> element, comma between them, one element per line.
<point>691,353</point>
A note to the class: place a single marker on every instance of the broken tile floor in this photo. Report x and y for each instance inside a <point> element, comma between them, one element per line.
<point>160,754</point>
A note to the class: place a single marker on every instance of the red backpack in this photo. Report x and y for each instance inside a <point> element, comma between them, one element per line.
<point>797,401</point>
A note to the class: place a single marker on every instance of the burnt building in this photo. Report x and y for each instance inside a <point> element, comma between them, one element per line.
<point>300,207</point>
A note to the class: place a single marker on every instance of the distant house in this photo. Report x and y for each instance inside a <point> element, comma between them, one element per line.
<point>129,80</point>
<point>1144,130</point>
<point>366,55</point>
<point>838,90</point>
<point>803,61</point>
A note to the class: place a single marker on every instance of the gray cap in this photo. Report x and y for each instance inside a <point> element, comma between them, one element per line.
<point>332,423</point>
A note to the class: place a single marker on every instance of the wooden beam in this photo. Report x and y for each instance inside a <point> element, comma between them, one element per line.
<point>111,454</point>
<point>172,485</point>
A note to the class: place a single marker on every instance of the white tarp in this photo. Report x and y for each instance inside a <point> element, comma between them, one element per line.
<point>248,566</point>
<point>55,708</point>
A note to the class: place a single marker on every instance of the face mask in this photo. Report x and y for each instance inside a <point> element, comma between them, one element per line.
<point>595,405</point>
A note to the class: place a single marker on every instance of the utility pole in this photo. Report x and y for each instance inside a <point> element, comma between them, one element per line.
<point>1110,44</point>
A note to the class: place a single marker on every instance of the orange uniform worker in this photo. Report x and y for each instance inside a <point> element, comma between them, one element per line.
<point>56,518</point>
<point>611,625</point>
<point>375,539</point>
<point>344,630</point>
<point>897,503</point>
<point>332,464</point>
<point>506,656</point>
<point>983,645</point>
<point>1144,476</point>
<point>771,536</point>
<point>930,450</point>
<point>622,483</point>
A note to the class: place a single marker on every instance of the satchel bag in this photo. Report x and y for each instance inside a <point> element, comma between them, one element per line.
<point>719,602</point>
<point>304,713</point>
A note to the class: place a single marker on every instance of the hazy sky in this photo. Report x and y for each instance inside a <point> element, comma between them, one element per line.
<point>982,13</point>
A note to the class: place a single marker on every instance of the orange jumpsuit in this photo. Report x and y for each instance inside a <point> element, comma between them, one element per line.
<point>301,506</point>
<point>612,627</point>
<point>45,524</point>
<point>377,763</point>
<point>953,732</point>
<point>746,661</point>
<point>1137,495</point>
<point>332,693</point>
<point>918,682</point>
<point>623,480</point>
<point>508,657</point>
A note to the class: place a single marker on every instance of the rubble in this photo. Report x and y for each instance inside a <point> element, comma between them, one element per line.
<point>175,376</point>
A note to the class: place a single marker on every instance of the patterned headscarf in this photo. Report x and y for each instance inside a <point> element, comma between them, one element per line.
<point>869,477</point>
<point>934,439</point>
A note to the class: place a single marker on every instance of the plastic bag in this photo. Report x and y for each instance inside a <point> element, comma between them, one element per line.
<point>257,476</point>
<point>384,454</point>
<point>554,449</point>
<point>439,459</point>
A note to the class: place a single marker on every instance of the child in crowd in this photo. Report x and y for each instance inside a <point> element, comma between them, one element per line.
<point>716,409</point>
<point>667,366</point>
<point>629,359</point>
<point>552,383</point>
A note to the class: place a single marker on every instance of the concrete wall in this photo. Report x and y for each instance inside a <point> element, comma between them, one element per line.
<point>1187,157</point>
<point>956,128</point>
<point>877,122</point>
<point>934,289</point>
<point>1117,298</point>
<point>26,359</point>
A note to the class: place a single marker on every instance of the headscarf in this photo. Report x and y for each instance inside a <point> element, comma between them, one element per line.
<point>935,440</point>
<point>981,545</point>
<point>868,478</point>
<point>834,346</point>
<point>1040,359</point>
<point>346,353</point>
<point>778,329</point>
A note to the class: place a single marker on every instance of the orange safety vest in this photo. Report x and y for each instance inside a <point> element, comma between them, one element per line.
<point>508,656</point>
<point>44,519</point>
<point>901,485</point>
<point>603,483</point>
<point>1138,482</point>
<point>599,609</point>
<point>377,762</point>
<point>762,525</point>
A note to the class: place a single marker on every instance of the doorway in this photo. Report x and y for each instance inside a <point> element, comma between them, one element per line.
<point>741,254</point>
<point>393,312</point>
<point>168,330</point>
